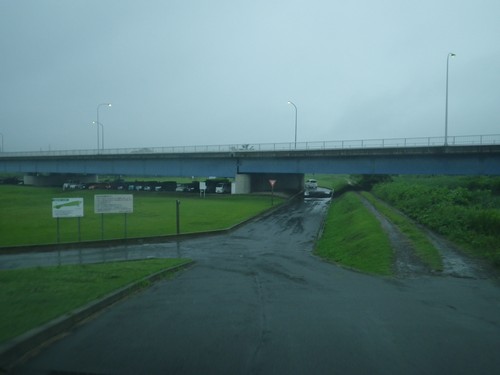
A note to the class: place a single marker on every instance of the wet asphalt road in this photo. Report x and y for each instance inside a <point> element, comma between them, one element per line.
<point>258,302</point>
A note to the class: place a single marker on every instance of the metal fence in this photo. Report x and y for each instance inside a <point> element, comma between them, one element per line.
<point>466,140</point>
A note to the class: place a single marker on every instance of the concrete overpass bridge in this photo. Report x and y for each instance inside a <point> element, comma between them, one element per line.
<point>252,165</point>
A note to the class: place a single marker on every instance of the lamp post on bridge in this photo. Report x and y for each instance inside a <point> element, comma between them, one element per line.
<point>289,102</point>
<point>102,132</point>
<point>446,106</point>
<point>97,122</point>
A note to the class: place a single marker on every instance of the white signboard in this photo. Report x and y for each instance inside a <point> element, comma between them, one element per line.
<point>67,207</point>
<point>114,204</point>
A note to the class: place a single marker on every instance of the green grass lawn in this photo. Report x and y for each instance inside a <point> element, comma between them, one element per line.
<point>31,297</point>
<point>353,237</point>
<point>26,215</point>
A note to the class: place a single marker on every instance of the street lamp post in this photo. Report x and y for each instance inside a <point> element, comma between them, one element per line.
<point>1,135</point>
<point>289,102</point>
<point>97,122</point>
<point>102,132</point>
<point>446,107</point>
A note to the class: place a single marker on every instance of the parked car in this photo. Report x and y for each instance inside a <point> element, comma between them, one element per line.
<point>180,188</point>
<point>222,188</point>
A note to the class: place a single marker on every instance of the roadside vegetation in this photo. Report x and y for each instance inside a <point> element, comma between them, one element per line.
<point>26,216</point>
<point>423,248</point>
<point>353,237</point>
<point>34,296</point>
<point>466,210</point>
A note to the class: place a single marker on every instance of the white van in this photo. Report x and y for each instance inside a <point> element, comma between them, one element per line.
<point>222,188</point>
<point>311,184</point>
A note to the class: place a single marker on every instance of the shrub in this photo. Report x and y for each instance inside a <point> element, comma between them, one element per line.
<point>464,209</point>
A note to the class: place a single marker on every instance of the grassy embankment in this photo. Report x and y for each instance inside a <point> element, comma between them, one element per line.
<point>354,237</point>
<point>466,210</point>
<point>32,297</point>
<point>26,215</point>
<point>331,245</point>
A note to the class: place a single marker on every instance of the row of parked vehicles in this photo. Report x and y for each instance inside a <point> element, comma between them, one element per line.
<point>219,186</point>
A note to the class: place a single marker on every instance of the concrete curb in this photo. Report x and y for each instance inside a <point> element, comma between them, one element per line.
<point>15,349</point>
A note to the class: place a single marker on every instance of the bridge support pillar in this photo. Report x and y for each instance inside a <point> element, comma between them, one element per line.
<point>242,184</point>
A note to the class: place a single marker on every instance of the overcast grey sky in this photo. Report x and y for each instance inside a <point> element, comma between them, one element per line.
<point>195,72</point>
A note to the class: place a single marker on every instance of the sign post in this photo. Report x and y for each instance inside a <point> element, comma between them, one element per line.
<point>113,204</point>
<point>66,208</point>
<point>125,226</point>
<point>272,183</point>
<point>177,215</point>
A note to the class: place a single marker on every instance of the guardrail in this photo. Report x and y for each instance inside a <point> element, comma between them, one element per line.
<point>467,140</point>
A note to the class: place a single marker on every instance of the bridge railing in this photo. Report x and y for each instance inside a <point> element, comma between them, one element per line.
<point>468,140</point>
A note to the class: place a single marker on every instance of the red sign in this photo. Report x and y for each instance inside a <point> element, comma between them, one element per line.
<point>272,182</point>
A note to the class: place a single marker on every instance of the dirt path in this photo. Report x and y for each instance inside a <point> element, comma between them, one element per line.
<point>455,263</point>
<point>407,264</point>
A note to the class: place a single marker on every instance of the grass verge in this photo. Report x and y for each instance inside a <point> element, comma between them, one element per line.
<point>424,249</point>
<point>353,237</point>
<point>32,297</point>
<point>26,217</point>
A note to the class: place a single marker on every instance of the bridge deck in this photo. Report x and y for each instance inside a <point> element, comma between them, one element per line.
<point>470,157</point>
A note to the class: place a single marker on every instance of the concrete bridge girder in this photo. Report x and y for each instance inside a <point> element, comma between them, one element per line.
<point>452,160</point>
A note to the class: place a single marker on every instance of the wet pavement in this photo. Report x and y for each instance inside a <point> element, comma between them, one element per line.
<point>258,302</point>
